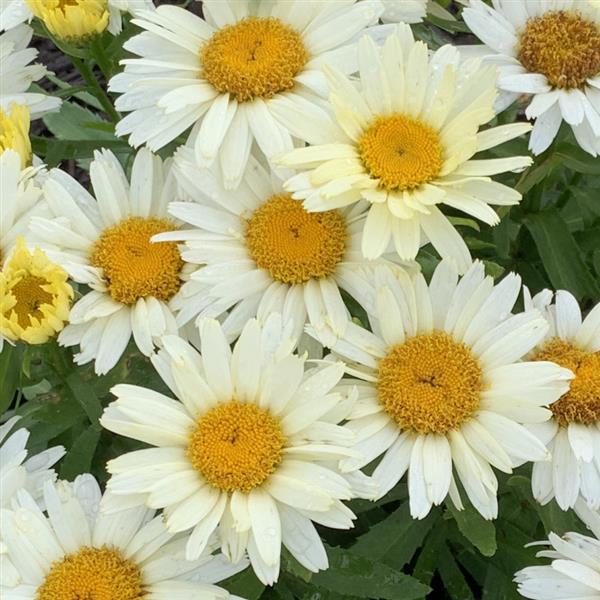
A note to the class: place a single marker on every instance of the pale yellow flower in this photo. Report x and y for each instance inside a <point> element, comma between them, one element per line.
<point>35,297</point>
<point>71,20</point>
<point>14,132</point>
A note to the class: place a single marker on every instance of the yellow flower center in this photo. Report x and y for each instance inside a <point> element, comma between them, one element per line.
<point>73,20</point>
<point>236,446</point>
<point>429,384</point>
<point>293,244</point>
<point>92,574</point>
<point>581,404</point>
<point>401,152</point>
<point>133,266</point>
<point>563,46</point>
<point>254,58</point>
<point>30,295</point>
<point>14,132</point>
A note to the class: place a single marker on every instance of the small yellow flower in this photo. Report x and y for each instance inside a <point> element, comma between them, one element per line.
<point>14,132</point>
<point>71,20</point>
<point>35,297</point>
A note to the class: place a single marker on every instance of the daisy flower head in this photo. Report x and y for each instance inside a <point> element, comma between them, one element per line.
<point>35,297</point>
<point>444,393</point>
<point>71,20</point>
<point>260,252</point>
<point>573,573</point>
<point>17,471</point>
<point>17,74</point>
<point>233,72</point>
<point>21,198</point>
<point>405,142</point>
<point>550,51</point>
<point>573,433</point>
<point>249,449</point>
<point>14,132</point>
<point>105,243</point>
<point>78,552</point>
<point>407,11</point>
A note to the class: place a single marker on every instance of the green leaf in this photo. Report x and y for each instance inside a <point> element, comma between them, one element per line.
<point>596,261</point>
<point>55,151</point>
<point>536,173</point>
<point>465,222</point>
<point>587,200</point>
<point>396,537</point>
<point>560,254</point>
<point>56,408</point>
<point>449,26</point>
<point>291,565</point>
<point>452,577</point>
<point>10,359</point>
<point>504,235</point>
<point>74,122</point>
<point>557,520</point>
<point>472,562</point>
<point>498,586</point>
<point>79,457</point>
<point>427,561</point>
<point>359,577</point>
<point>573,157</point>
<point>476,244</point>
<point>481,533</point>
<point>512,554</point>
<point>493,269</point>
<point>244,584</point>
<point>84,96</point>
<point>85,396</point>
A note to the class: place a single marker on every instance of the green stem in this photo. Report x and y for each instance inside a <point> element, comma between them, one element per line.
<point>102,60</point>
<point>92,82</point>
<point>61,365</point>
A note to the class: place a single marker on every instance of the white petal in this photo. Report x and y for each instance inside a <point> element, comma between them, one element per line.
<point>216,356</point>
<point>266,525</point>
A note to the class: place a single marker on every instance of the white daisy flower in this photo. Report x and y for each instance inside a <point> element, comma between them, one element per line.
<point>21,198</point>
<point>105,243</point>
<point>231,73</point>
<point>71,20</point>
<point>550,50</point>
<point>573,574</point>
<point>573,433</point>
<point>78,552</point>
<point>443,385</point>
<point>249,449</point>
<point>17,74</point>
<point>404,141</point>
<point>407,11</point>
<point>17,471</point>
<point>262,252</point>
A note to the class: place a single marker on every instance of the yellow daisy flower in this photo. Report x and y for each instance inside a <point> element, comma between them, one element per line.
<point>35,297</point>
<point>14,132</point>
<point>71,20</point>
<point>13,13</point>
